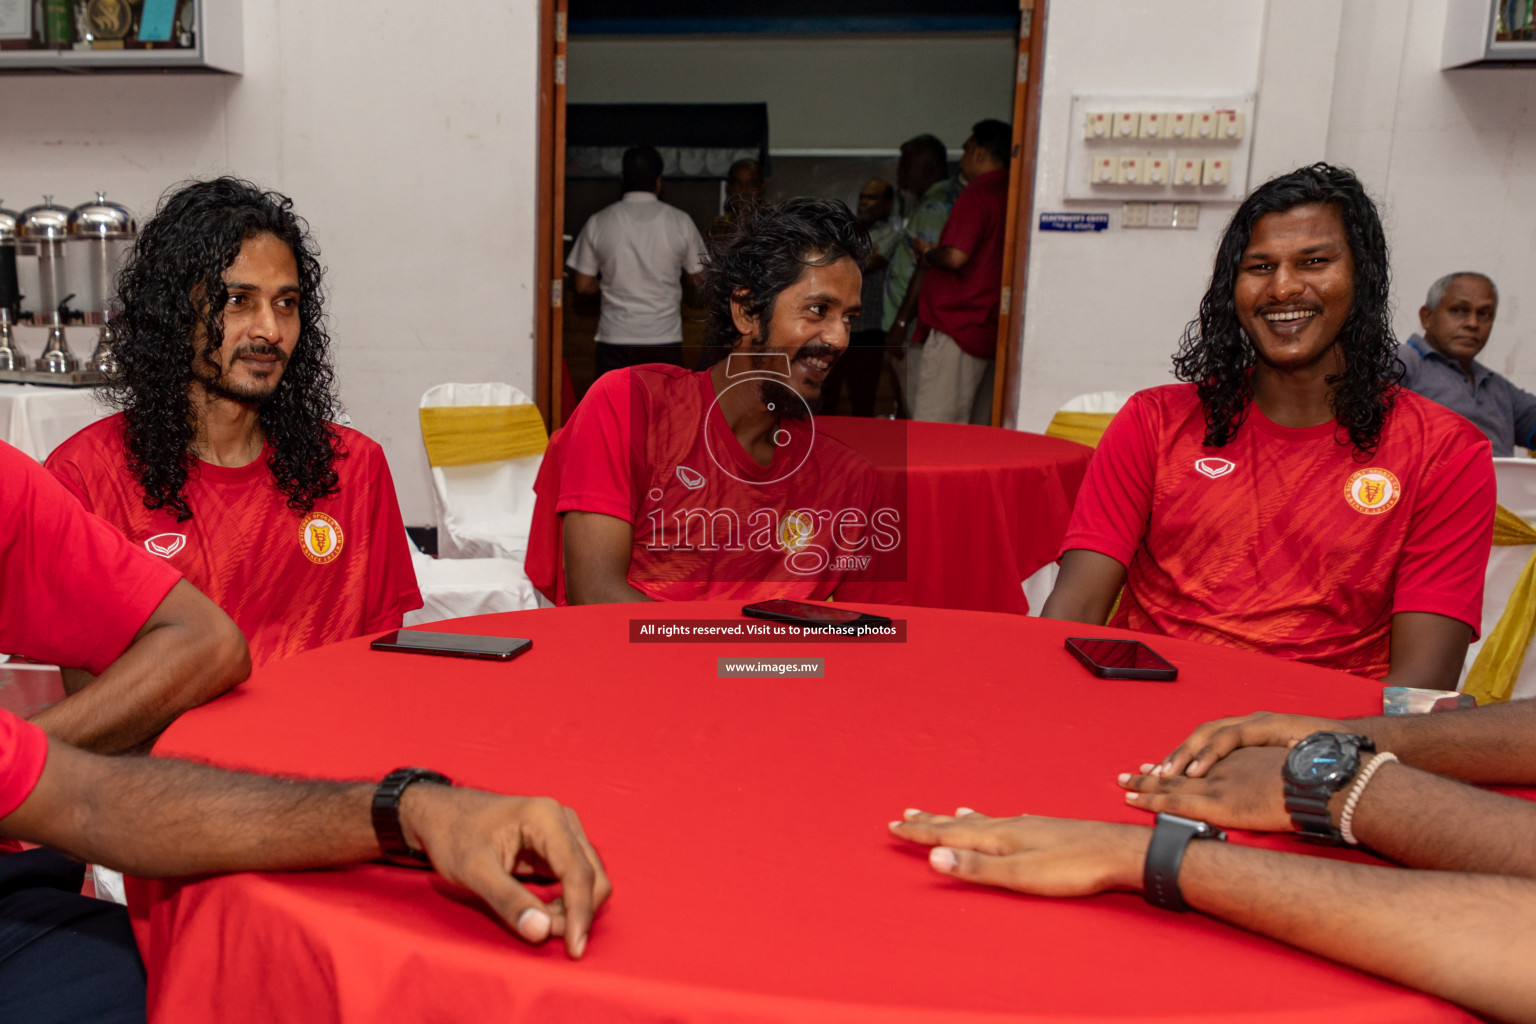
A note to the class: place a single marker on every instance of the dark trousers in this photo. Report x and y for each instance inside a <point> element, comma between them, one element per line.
<point>613,357</point>
<point>859,368</point>
<point>64,958</point>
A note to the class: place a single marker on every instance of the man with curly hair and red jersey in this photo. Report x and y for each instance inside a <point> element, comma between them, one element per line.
<point>224,460</point>
<point>1289,497</point>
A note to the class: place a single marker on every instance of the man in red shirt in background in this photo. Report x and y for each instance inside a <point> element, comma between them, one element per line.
<point>963,287</point>
<point>669,486</point>
<point>1290,497</point>
<point>224,460</point>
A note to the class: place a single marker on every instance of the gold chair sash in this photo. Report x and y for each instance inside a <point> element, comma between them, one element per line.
<point>461,435</point>
<point>1082,427</point>
<point>1493,674</point>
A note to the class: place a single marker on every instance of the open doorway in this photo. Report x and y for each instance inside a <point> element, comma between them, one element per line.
<point>841,93</point>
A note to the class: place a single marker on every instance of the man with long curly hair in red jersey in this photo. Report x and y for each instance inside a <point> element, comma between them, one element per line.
<point>224,460</point>
<point>1290,497</point>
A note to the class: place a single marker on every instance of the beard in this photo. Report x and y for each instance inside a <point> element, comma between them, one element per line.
<point>218,382</point>
<point>784,401</point>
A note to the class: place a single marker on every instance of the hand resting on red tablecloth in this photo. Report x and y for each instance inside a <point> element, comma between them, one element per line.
<point>161,817</point>
<point>1464,937</point>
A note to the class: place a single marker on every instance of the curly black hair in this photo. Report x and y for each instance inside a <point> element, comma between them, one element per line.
<point>171,285</point>
<point>767,250</point>
<point>1216,356</point>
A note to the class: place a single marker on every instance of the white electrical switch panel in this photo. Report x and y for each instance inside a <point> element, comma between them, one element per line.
<point>1156,148</point>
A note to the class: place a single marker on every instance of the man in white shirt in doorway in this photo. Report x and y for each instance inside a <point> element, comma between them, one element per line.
<point>634,253</point>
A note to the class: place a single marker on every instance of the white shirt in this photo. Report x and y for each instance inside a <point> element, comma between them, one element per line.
<point>641,247</point>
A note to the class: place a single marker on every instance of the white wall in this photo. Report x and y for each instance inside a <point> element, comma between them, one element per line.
<point>855,92</point>
<point>408,142</point>
<point>1453,156</point>
<point>1450,156</point>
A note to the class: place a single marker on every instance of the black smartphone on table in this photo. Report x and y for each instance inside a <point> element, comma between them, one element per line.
<point>456,645</point>
<point>806,613</point>
<point>1121,659</point>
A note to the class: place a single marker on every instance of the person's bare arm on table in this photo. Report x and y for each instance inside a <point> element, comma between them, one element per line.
<point>187,653</point>
<point>1085,588</point>
<point>153,817</point>
<point>1427,650</point>
<point>597,552</point>
<point>1462,937</point>
<point>1414,817</point>
<point>1487,745</point>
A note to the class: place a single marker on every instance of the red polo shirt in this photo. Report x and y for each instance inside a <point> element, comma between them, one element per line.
<point>964,303</point>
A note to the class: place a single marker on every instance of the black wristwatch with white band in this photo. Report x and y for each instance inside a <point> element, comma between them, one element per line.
<point>1315,769</point>
<point>1165,853</point>
<point>386,815</point>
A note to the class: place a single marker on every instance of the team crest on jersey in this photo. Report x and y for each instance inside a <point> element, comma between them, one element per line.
<point>320,537</point>
<point>1215,468</point>
<point>1372,491</point>
<point>795,531</point>
<point>165,544</point>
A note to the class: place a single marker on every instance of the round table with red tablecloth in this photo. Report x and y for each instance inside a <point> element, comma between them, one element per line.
<point>743,823</point>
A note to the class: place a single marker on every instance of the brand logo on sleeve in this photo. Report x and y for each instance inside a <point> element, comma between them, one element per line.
<point>1215,468</point>
<point>691,478</point>
<point>320,537</point>
<point>165,544</point>
<point>1372,491</point>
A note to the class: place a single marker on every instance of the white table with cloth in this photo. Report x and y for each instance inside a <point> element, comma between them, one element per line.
<point>37,419</point>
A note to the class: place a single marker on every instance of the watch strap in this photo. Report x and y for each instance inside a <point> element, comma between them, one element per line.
<point>1165,855</point>
<point>386,815</point>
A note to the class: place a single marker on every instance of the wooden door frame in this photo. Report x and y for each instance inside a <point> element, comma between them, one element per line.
<point>549,264</point>
<point>549,269</point>
<point>1021,196</point>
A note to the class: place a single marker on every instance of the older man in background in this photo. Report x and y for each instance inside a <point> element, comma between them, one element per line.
<point>1441,364</point>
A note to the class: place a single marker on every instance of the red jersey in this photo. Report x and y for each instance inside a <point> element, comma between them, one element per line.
<point>75,592</point>
<point>23,752</point>
<point>964,303</point>
<point>648,445</point>
<point>290,580</point>
<point>1282,541</point>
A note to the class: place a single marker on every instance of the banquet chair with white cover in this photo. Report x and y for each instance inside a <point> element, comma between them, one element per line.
<point>1083,419</point>
<point>1508,668</point>
<point>485,443</point>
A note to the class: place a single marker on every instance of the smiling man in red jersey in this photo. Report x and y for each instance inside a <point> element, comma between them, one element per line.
<point>224,460</point>
<point>1290,497</point>
<point>669,485</point>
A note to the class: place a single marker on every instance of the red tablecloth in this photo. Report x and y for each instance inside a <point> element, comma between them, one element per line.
<point>983,509</point>
<point>743,823</point>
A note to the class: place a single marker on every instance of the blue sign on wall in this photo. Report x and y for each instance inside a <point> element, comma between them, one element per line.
<point>1074,221</point>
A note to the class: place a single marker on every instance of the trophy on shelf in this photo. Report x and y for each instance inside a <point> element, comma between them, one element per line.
<point>12,362</point>
<point>40,237</point>
<point>100,236</point>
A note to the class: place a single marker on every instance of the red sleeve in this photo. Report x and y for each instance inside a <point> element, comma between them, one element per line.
<point>23,752</point>
<point>392,589</point>
<point>967,223</point>
<point>1114,505</point>
<point>596,471</point>
<point>76,590</point>
<point>1445,558</point>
